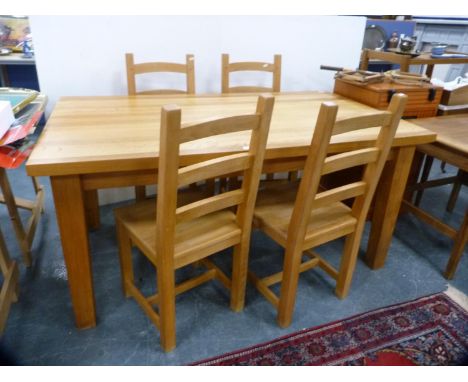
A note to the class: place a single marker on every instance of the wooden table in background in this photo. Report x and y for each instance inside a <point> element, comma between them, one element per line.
<point>91,143</point>
<point>405,60</point>
<point>451,146</point>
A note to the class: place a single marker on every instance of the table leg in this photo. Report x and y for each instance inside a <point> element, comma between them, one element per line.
<point>389,195</point>
<point>71,218</point>
<point>429,70</point>
<point>404,64</point>
<point>364,64</point>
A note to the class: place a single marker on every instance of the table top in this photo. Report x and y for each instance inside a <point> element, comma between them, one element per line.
<point>121,133</point>
<point>16,59</point>
<point>422,59</point>
<point>451,130</point>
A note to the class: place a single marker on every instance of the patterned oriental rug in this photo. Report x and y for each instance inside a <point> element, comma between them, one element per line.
<point>428,331</point>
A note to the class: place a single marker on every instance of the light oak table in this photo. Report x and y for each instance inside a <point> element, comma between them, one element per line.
<point>91,143</point>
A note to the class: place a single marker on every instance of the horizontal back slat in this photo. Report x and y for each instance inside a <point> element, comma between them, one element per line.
<point>214,168</point>
<point>209,205</point>
<point>255,66</point>
<point>219,126</point>
<point>338,194</point>
<point>349,159</point>
<point>149,67</point>
<point>363,122</point>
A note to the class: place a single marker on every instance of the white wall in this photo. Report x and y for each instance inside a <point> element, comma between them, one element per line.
<point>84,55</point>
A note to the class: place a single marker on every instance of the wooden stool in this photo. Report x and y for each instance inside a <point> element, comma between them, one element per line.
<point>24,235</point>
<point>9,289</point>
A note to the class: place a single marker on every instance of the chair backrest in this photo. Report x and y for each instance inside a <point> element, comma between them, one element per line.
<point>170,177</point>
<point>153,67</point>
<point>227,68</point>
<point>318,163</point>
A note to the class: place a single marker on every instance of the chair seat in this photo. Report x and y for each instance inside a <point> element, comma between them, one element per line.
<point>273,214</point>
<point>194,239</point>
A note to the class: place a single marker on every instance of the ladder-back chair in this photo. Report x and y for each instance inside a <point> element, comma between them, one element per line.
<point>157,67</point>
<point>172,234</point>
<point>154,67</point>
<point>229,67</point>
<point>301,216</point>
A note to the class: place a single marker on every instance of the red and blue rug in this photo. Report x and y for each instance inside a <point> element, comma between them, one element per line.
<point>428,331</point>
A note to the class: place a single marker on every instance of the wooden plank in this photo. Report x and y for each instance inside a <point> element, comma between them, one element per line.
<point>214,168</point>
<point>254,66</point>
<point>149,67</point>
<point>187,285</point>
<point>338,194</point>
<point>20,202</point>
<point>76,140</point>
<point>119,179</point>
<point>440,226</point>
<point>350,159</point>
<point>209,205</point>
<point>220,275</point>
<point>144,304</point>
<point>263,289</point>
<point>351,124</point>
<point>277,277</point>
<point>219,126</point>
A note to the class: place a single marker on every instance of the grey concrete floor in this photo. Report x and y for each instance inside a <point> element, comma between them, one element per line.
<point>40,329</point>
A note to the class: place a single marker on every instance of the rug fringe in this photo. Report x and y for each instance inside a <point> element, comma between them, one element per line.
<point>458,296</point>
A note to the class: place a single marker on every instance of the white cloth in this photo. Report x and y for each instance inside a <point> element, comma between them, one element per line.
<point>451,85</point>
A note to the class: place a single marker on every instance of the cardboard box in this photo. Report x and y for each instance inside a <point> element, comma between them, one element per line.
<point>455,97</point>
<point>6,117</point>
<point>423,100</point>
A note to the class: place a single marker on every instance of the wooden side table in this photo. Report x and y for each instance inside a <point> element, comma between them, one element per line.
<point>451,147</point>
<point>406,60</point>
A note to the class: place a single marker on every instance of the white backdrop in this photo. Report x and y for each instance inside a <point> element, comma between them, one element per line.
<point>84,55</point>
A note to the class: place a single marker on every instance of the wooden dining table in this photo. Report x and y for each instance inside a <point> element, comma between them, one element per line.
<point>92,143</point>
